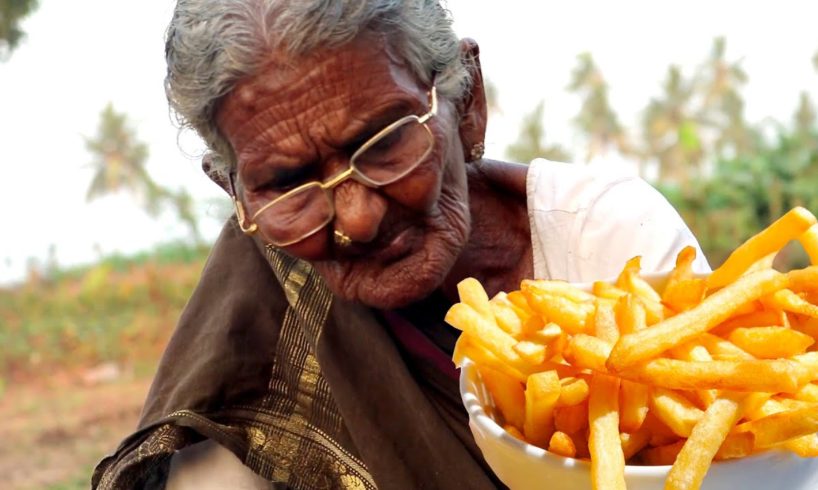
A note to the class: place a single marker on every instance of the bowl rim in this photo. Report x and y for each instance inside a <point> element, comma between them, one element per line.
<point>487,424</point>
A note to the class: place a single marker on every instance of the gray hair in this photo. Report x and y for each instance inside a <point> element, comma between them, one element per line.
<point>212,44</point>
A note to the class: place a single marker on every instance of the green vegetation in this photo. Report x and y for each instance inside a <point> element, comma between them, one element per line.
<point>12,12</point>
<point>122,309</point>
<point>118,160</point>
<point>729,178</point>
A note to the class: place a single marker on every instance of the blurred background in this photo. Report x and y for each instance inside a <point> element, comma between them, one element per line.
<point>107,219</point>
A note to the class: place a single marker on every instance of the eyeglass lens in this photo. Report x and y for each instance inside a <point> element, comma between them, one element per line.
<point>389,159</point>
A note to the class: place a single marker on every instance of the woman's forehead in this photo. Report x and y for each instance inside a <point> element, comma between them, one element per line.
<point>354,72</point>
<point>339,87</point>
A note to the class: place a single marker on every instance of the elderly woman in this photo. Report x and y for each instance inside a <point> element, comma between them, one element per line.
<point>349,136</point>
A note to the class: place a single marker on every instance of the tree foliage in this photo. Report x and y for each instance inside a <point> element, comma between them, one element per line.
<point>596,119</point>
<point>531,142</point>
<point>11,13</point>
<point>118,160</point>
<point>727,177</point>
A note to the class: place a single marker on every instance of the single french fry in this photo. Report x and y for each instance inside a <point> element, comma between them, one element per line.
<point>569,315</point>
<point>805,279</point>
<point>768,375</point>
<point>809,240</point>
<point>466,347</point>
<point>587,352</point>
<point>571,419</point>
<point>518,299</point>
<point>532,352</point>
<point>782,426</point>
<point>704,442</point>
<point>792,403</point>
<point>771,342</point>
<point>605,324</point>
<point>676,411</point>
<point>737,445</point>
<point>650,342</point>
<point>685,294</point>
<point>684,267</point>
<point>633,405</point>
<point>804,446</point>
<point>630,315</point>
<point>507,316</point>
<point>508,394</point>
<point>787,300</point>
<point>546,334</point>
<point>602,289</point>
<point>562,444</point>
<point>573,391</point>
<point>607,458</point>
<point>633,442</point>
<point>515,432</point>
<point>768,407</point>
<point>556,288</point>
<point>763,318</point>
<point>629,280</point>
<point>722,349</point>
<point>683,291</point>
<point>541,394</point>
<point>471,292</point>
<point>773,238</point>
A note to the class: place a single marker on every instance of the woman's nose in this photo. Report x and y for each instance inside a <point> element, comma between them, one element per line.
<point>359,211</point>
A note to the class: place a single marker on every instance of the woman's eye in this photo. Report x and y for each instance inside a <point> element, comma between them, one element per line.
<point>388,141</point>
<point>288,178</point>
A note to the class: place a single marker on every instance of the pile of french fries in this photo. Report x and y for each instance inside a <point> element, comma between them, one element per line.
<point>698,369</point>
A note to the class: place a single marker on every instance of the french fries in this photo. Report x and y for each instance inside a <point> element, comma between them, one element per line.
<point>701,369</point>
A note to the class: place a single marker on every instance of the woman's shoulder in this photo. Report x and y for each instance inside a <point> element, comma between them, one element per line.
<point>570,187</point>
<point>587,221</point>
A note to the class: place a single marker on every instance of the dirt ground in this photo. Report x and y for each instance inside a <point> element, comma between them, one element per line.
<point>52,433</point>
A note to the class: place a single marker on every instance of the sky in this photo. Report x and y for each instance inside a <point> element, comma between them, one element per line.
<point>80,55</point>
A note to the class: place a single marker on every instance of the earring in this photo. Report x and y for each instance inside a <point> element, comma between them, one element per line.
<point>477,151</point>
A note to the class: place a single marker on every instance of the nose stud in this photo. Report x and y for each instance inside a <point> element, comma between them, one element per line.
<point>342,239</point>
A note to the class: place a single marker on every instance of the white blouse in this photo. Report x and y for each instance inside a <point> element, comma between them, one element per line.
<point>586,223</point>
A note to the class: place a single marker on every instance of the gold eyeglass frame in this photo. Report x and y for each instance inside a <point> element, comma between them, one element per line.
<point>351,172</point>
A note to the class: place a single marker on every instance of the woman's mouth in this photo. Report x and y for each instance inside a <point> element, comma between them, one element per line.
<point>401,245</point>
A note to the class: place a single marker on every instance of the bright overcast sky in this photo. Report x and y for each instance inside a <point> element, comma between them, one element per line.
<point>80,55</point>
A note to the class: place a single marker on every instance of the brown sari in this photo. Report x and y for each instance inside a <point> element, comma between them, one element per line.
<point>309,391</point>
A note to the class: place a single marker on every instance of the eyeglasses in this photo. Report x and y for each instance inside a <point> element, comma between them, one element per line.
<point>388,156</point>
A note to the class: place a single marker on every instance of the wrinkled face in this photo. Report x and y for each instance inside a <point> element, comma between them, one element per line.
<point>298,122</point>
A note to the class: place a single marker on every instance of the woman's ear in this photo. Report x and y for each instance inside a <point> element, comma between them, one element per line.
<point>215,172</point>
<point>472,107</point>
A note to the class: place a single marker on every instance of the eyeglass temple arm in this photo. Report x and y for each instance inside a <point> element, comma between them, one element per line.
<point>432,106</point>
<point>241,215</point>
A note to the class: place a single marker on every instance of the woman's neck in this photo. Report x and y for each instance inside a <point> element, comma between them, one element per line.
<point>498,252</point>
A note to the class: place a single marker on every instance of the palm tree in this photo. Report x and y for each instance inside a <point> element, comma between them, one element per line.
<point>671,132</point>
<point>11,13</point>
<point>596,119</point>
<point>119,161</point>
<point>530,143</point>
<point>722,107</point>
<point>119,165</point>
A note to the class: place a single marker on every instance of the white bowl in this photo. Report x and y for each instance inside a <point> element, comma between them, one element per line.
<point>523,466</point>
